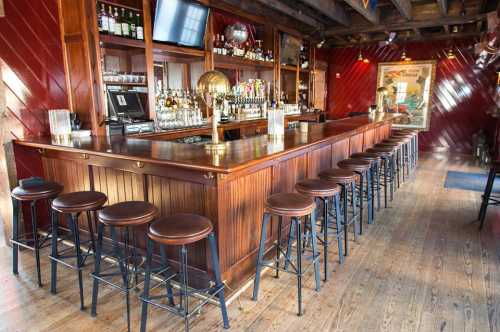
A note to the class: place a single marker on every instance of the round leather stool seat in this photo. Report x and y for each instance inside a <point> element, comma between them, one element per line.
<point>317,188</point>
<point>401,140</point>
<point>393,146</point>
<point>397,141</point>
<point>79,201</point>
<point>370,156</point>
<point>338,175</point>
<point>383,151</point>
<point>179,229</point>
<point>46,190</point>
<point>290,204</point>
<point>402,135</point>
<point>132,213</point>
<point>355,164</point>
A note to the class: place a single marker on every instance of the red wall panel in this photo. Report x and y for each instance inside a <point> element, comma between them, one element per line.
<point>461,95</point>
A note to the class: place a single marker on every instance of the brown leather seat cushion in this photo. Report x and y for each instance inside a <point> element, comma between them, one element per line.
<point>46,190</point>
<point>384,151</point>
<point>355,164</point>
<point>393,146</point>
<point>132,213</point>
<point>317,188</point>
<point>370,156</point>
<point>79,201</point>
<point>338,175</point>
<point>399,141</point>
<point>179,229</point>
<point>290,204</point>
<point>402,135</point>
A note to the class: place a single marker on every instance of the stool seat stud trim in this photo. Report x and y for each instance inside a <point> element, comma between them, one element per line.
<point>130,213</point>
<point>179,229</point>
<point>79,201</point>
<point>290,204</point>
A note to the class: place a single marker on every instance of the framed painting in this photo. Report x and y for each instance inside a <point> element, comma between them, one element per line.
<point>409,87</point>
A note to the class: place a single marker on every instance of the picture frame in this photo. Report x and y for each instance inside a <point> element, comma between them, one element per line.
<point>410,85</point>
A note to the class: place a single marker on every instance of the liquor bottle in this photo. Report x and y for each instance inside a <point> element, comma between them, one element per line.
<point>118,23</point>
<point>139,27</point>
<point>133,27</point>
<point>125,25</point>
<point>111,21</point>
<point>222,47</point>
<point>103,20</point>
<point>215,44</point>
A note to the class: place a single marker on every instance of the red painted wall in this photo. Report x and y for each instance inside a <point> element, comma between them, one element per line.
<point>461,94</point>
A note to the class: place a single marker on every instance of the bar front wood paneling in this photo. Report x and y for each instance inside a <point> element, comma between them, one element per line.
<point>230,189</point>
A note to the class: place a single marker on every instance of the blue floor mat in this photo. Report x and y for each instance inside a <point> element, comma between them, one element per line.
<point>469,181</point>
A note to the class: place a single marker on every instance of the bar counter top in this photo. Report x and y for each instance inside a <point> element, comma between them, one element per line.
<point>238,155</point>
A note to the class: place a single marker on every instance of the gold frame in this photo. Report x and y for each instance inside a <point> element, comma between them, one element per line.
<point>433,63</point>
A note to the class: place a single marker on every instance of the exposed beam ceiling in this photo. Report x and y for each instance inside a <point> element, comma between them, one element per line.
<point>330,9</point>
<point>297,14</point>
<point>404,7</point>
<point>373,16</point>
<point>443,7</point>
<point>405,25</point>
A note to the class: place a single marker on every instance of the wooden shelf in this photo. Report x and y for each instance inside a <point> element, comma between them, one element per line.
<point>177,51</point>
<point>239,63</point>
<point>110,41</point>
<point>288,67</point>
<point>125,83</point>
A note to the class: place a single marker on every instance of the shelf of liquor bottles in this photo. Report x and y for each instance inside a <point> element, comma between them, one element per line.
<point>119,20</point>
<point>240,63</point>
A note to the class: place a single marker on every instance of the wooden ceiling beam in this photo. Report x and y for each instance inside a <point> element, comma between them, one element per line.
<point>404,7</point>
<point>330,9</point>
<point>287,10</point>
<point>443,7</point>
<point>398,25</point>
<point>372,16</point>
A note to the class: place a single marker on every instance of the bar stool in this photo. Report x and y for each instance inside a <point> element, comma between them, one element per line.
<point>32,192</point>
<point>414,139</point>
<point>375,159</point>
<point>488,199</point>
<point>73,205</point>
<point>295,206</point>
<point>127,216</point>
<point>181,230</point>
<point>362,168</point>
<point>346,180</point>
<point>386,155</point>
<point>405,152</point>
<point>395,159</point>
<point>324,191</point>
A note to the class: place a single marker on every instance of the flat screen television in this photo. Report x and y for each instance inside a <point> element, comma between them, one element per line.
<point>290,49</point>
<point>181,22</point>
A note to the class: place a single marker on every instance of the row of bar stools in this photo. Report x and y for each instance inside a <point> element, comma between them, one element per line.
<point>127,216</point>
<point>363,169</point>
<point>413,134</point>
<point>73,205</point>
<point>324,191</point>
<point>488,199</point>
<point>32,191</point>
<point>181,230</point>
<point>294,206</point>
<point>346,179</point>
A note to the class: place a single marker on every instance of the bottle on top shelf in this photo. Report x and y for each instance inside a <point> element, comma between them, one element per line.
<point>119,21</point>
<point>248,50</point>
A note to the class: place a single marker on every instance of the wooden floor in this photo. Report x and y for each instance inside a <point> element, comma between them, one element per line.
<point>422,267</point>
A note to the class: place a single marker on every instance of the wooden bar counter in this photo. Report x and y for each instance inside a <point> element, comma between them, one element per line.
<point>228,188</point>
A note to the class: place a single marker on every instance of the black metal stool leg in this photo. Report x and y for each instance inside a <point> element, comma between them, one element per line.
<point>386,161</point>
<point>79,259</point>
<point>170,293</point>
<point>355,213</point>
<point>147,280</point>
<point>97,269</point>
<point>291,237</point>
<point>346,225</point>
<point>36,245</point>
<point>218,279</point>
<point>336,200</point>
<point>54,252</point>
<point>123,267</point>
<point>265,220</point>
<point>90,224</point>
<point>184,290</point>
<point>361,198</point>
<point>15,235</point>
<point>278,247</point>
<point>314,242</point>
<point>392,171</point>
<point>299,263</point>
<point>325,236</point>
<point>486,197</point>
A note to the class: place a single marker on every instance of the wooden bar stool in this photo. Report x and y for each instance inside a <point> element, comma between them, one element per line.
<point>73,205</point>
<point>126,216</point>
<point>180,230</point>
<point>489,199</point>
<point>362,168</point>
<point>32,190</point>
<point>324,191</point>
<point>347,181</point>
<point>386,155</point>
<point>375,158</point>
<point>295,206</point>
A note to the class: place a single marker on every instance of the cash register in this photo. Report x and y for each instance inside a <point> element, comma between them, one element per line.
<point>126,114</point>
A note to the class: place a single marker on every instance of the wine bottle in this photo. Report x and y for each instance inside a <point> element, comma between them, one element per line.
<point>139,27</point>
<point>118,23</point>
<point>223,45</point>
<point>125,24</point>
<point>111,21</point>
<point>103,20</point>
<point>133,27</point>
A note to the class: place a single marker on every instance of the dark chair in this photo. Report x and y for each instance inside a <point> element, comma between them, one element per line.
<point>488,198</point>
